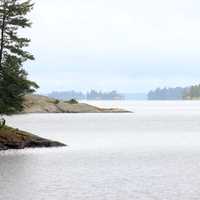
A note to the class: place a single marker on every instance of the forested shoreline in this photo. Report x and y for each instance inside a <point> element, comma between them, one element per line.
<point>177,93</point>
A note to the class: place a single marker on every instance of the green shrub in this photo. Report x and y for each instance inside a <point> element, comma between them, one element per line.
<point>56,101</point>
<point>72,101</point>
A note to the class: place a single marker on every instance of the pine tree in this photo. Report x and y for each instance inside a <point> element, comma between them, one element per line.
<point>13,78</point>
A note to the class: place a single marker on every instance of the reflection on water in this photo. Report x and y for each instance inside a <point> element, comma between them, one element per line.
<point>151,154</point>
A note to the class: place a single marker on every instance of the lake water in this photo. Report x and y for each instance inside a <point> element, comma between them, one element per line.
<point>151,154</point>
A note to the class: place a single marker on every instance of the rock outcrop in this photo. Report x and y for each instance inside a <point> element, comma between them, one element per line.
<point>11,138</point>
<point>43,104</point>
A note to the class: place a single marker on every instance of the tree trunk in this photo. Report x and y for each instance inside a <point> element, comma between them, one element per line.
<point>2,37</point>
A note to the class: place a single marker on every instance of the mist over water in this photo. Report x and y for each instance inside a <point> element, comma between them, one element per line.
<point>150,154</point>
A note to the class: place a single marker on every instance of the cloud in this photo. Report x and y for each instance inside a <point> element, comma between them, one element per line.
<point>115,40</point>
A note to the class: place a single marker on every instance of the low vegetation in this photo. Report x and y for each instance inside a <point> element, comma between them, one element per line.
<point>72,101</point>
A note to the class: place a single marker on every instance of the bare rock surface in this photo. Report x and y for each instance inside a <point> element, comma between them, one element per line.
<point>43,104</point>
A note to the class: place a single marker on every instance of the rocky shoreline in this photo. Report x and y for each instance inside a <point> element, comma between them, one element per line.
<point>11,138</point>
<point>43,104</point>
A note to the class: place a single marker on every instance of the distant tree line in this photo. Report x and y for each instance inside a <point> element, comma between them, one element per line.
<point>167,94</point>
<point>177,93</point>
<point>192,92</point>
<point>113,95</point>
<point>91,95</point>
<point>67,95</point>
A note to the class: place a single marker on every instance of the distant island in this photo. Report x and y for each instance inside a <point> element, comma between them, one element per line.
<point>96,95</point>
<point>166,93</point>
<point>177,93</point>
<point>91,95</point>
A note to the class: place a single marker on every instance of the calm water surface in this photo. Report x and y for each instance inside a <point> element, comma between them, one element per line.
<point>151,154</point>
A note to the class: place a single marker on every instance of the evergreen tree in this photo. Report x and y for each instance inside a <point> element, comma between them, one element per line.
<point>13,78</point>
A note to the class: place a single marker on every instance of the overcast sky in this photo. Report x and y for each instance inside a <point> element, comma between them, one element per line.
<point>127,45</point>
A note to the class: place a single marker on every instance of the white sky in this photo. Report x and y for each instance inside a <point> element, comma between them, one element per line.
<point>127,45</point>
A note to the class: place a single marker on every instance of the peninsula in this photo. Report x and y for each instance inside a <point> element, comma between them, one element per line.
<point>43,104</point>
<point>11,138</point>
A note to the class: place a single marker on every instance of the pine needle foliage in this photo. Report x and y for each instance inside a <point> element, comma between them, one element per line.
<point>14,83</point>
